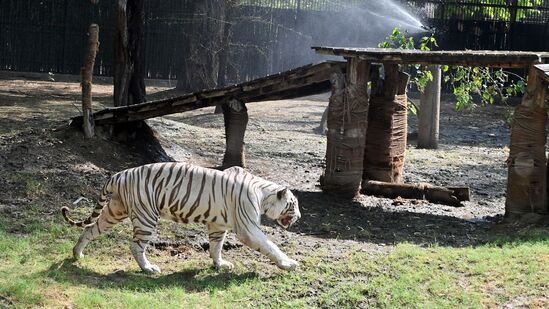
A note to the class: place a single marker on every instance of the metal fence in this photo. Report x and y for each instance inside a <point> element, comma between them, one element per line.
<point>535,11</point>
<point>496,25</point>
<point>267,36</point>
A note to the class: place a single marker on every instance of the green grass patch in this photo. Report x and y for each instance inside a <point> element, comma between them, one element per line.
<point>485,276</point>
<point>37,270</point>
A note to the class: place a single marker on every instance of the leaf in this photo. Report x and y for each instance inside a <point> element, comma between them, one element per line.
<point>412,108</point>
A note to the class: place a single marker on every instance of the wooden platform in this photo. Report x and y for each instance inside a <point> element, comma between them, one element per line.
<point>299,82</point>
<point>481,58</point>
<point>543,72</point>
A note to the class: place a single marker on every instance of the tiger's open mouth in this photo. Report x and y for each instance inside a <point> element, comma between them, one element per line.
<point>285,222</point>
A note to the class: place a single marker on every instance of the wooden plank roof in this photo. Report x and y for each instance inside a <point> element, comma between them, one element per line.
<point>482,58</point>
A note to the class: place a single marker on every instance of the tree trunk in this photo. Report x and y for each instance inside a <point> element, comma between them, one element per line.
<point>387,127</point>
<point>87,76</point>
<point>129,71</point>
<point>526,187</point>
<point>201,67</point>
<point>347,124</point>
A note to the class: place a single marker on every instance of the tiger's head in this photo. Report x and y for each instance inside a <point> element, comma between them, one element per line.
<point>283,207</point>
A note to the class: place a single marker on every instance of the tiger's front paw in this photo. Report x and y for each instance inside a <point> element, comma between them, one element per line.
<point>77,254</point>
<point>222,264</point>
<point>151,269</point>
<point>288,264</point>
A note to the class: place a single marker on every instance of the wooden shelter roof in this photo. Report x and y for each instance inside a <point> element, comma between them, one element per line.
<point>482,58</point>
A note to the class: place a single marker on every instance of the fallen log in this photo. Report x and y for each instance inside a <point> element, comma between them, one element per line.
<point>452,196</point>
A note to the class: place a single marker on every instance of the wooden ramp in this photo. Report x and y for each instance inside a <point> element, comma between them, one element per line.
<point>299,82</point>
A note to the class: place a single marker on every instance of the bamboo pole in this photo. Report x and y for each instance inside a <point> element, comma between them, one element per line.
<point>87,75</point>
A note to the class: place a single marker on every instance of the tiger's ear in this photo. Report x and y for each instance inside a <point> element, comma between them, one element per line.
<point>282,193</point>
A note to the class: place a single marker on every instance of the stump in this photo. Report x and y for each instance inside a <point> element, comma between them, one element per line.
<point>387,127</point>
<point>347,124</point>
<point>235,116</point>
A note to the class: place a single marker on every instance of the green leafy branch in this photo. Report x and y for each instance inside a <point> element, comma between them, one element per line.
<point>489,84</point>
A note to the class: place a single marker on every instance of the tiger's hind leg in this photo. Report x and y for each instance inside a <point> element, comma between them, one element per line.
<point>112,214</point>
<point>217,237</point>
<point>143,233</point>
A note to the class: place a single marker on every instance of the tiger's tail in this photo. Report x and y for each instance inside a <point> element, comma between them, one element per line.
<point>101,203</point>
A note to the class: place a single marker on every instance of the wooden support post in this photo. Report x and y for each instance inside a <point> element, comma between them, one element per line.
<point>347,124</point>
<point>527,172</point>
<point>429,111</point>
<point>87,75</point>
<point>387,127</point>
<point>235,115</point>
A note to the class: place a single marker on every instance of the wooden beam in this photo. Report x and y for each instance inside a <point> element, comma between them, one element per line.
<point>499,59</point>
<point>543,72</point>
<point>306,80</point>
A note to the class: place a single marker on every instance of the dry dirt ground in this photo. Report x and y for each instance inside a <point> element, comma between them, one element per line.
<point>45,165</point>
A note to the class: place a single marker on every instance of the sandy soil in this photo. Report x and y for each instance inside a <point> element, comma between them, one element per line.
<point>45,165</point>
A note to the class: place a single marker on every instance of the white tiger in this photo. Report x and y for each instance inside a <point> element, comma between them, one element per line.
<point>232,199</point>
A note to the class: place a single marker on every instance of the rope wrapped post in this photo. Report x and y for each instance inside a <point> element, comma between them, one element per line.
<point>235,116</point>
<point>87,75</point>
<point>347,124</point>
<point>527,171</point>
<point>387,127</point>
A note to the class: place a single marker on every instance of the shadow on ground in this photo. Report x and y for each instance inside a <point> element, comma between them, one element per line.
<point>189,279</point>
<point>327,216</point>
